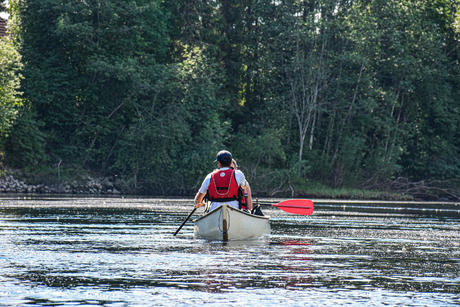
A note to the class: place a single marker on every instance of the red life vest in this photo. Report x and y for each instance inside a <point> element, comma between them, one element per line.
<point>223,186</point>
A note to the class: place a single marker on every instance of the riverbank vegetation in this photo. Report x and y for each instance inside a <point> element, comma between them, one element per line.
<point>329,95</point>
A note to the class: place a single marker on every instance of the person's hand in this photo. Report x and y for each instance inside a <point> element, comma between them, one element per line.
<point>198,205</point>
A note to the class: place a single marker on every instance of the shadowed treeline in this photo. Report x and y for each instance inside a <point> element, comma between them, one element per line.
<point>308,95</point>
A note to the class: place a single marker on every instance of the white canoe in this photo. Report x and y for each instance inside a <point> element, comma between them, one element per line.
<point>227,223</point>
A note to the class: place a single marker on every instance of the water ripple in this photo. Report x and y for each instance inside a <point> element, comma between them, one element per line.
<point>118,253</point>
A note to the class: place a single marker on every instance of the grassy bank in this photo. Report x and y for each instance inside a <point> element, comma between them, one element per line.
<point>317,190</point>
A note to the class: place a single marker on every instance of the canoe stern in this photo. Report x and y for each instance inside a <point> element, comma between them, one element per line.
<point>228,223</point>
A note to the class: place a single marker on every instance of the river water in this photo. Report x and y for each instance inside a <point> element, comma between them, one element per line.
<point>121,252</point>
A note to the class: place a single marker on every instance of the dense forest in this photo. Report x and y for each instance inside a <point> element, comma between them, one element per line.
<point>306,94</point>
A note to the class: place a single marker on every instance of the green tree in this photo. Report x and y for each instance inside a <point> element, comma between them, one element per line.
<point>10,96</point>
<point>177,129</point>
<point>85,63</point>
<point>349,93</point>
<point>432,146</point>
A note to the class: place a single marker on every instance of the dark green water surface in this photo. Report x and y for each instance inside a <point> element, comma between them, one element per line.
<point>121,252</point>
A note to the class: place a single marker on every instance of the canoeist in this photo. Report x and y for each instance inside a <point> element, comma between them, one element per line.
<point>222,184</point>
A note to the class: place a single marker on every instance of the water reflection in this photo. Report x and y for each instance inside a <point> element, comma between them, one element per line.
<point>125,255</point>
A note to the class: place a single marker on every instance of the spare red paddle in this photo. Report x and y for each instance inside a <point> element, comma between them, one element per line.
<point>296,206</point>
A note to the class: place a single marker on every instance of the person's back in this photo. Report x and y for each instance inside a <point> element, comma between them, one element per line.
<point>222,184</point>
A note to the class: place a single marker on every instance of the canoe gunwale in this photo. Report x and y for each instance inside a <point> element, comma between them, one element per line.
<point>231,208</point>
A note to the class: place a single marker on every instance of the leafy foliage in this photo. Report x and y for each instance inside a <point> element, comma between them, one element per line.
<point>341,93</point>
<point>27,141</point>
<point>10,97</point>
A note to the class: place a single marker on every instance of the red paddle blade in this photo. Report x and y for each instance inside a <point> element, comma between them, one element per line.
<point>296,206</point>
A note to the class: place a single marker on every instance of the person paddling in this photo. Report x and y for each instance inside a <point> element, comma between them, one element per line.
<point>222,184</point>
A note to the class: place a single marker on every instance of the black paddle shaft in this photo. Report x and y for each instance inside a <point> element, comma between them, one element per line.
<point>183,223</point>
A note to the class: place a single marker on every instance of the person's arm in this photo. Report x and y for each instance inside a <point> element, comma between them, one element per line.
<point>249,204</point>
<point>198,199</point>
<point>202,191</point>
<point>245,185</point>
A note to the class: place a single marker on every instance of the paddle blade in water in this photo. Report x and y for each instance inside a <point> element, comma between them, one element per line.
<point>296,206</point>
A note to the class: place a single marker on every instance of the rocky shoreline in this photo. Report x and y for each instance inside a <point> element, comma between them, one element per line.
<point>89,185</point>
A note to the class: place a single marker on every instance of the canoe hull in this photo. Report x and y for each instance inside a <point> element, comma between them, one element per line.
<point>227,223</point>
